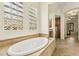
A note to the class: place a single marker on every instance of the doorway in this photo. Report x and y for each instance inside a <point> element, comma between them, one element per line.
<point>72,26</point>
<point>71,18</point>
<point>57,27</point>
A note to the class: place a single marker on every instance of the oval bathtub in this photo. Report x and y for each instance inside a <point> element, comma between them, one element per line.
<point>27,47</point>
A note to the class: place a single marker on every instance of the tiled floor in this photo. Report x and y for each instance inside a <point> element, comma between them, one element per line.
<point>67,47</point>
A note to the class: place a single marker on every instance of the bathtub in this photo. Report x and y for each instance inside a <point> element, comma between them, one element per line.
<point>27,47</point>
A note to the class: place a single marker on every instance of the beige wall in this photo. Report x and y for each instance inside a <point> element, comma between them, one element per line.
<point>44,18</point>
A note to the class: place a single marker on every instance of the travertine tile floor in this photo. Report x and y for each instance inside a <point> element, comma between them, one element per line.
<point>67,47</point>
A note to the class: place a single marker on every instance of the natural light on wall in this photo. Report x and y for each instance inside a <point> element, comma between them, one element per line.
<point>32,17</point>
<point>13,16</point>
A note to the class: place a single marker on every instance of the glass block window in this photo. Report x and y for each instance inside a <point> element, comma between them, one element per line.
<point>13,16</point>
<point>32,15</point>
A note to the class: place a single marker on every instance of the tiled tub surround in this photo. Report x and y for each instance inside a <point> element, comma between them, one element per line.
<point>10,41</point>
<point>48,50</point>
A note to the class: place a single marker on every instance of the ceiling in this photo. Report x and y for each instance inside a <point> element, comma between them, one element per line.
<point>72,14</point>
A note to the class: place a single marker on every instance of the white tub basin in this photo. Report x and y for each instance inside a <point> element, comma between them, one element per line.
<point>27,47</point>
